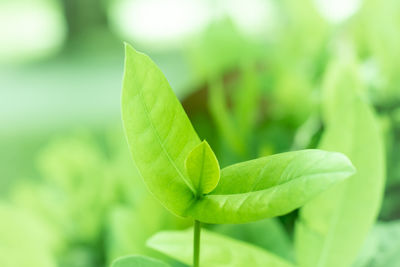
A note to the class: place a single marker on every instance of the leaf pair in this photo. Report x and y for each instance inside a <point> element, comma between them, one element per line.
<point>183,173</point>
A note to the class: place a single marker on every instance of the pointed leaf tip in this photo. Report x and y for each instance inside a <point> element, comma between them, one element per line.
<point>128,47</point>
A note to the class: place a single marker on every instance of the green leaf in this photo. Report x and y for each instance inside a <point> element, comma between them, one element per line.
<point>216,250</point>
<point>246,100</point>
<point>268,234</point>
<point>159,133</point>
<point>223,118</point>
<point>333,226</point>
<point>382,246</point>
<point>25,239</point>
<point>202,168</point>
<point>270,186</point>
<point>138,261</point>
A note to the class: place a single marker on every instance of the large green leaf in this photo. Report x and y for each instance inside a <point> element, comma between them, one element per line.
<point>333,226</point>
<point>270,186</point>
<point>138,261</point>
<point>216,250</point>
<point>202,168</point>
<point>159,133</point>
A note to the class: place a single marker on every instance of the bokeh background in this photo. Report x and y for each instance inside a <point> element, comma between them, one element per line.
<point>247,72</point>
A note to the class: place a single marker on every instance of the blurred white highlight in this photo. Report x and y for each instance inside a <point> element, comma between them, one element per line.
<point>337,11</point>
<point>29,29</point>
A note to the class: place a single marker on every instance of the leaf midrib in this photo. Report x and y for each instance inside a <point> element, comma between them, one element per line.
<point>310,176</point>
<point>198,193</point>
<point>157,134</point>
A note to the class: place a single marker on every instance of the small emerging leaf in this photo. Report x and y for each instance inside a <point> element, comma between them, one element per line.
<point>216,250</point>
<point>138,261</point>
<point>202,168</point>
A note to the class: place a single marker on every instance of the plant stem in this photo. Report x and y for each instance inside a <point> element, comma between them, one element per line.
<point>196,244</point>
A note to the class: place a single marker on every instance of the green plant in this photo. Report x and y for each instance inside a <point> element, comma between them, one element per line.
<point>183,173</point>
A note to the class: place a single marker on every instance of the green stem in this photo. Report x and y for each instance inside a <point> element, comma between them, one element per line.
<point>196,244</point>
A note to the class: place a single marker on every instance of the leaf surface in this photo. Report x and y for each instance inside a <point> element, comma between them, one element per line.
<point>332,227</point>
<point>382,246</point>
<point>269,234</point>
<point>202,168</point>
<point>138,261</point>
<point>158,131</point>
<point>270,186</point>
<point>25,239</point>
<point>216,250</point>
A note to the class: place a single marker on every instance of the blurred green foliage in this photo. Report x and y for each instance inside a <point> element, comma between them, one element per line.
<point>70,194</point>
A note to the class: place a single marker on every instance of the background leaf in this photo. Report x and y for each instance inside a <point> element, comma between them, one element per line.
<point>25,240</point>
<point>216,250</point>
<point>138,261</point>
<point>268,234</point>
<point>382,246</point>
<point>332,227</point>
<point>223,119</point>
<point>270,186</point>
